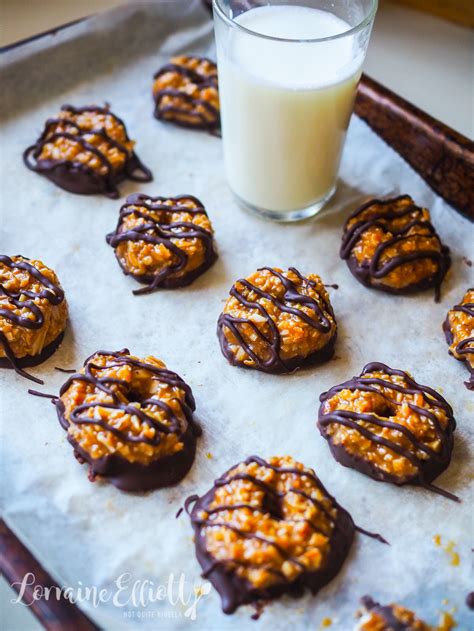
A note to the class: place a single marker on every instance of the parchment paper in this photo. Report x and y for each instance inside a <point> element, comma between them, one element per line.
<point>89,534</point>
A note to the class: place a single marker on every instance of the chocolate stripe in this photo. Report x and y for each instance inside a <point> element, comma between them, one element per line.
<point>428,466</point>
<point>184,106</point>
<point>161,230</point>
<point>51,292</point>
<point>269,491</point>
<point>104,384</point>
<point>465,347</point>
<point>375,269</point>
<point>272,341</point>
<point>78,176</point>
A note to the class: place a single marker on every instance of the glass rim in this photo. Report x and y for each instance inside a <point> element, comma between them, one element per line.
<point>352,31</point>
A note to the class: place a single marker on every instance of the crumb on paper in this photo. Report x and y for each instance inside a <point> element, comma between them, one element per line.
<point>449,548</point>
<point>325,623</point>
<point>446,622</point>
<point>209,456</point>
<point>110,506</point>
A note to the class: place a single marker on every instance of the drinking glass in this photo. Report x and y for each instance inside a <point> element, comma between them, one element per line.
<point>288,74</point>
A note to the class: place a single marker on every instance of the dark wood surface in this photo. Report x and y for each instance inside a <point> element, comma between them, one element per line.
<point>55,614</point>
<point>441,156</point>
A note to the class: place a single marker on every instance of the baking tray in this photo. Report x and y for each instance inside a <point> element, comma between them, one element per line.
<point>442,157</point>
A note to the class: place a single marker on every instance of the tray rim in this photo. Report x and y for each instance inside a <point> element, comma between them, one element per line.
<point>42,34</point>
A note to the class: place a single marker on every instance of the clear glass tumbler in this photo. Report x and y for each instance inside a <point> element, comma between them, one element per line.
<point>288,74</point>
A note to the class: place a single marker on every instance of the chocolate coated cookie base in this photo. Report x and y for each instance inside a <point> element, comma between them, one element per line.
<point>82,180</point>
<point>363,275</point>
<point>32,360</point>
<point>169,282</point>
<point>320,356</point>
<point>136,477</point>
<point>431,468</point>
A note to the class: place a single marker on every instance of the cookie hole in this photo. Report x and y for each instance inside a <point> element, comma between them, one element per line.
<point>272,505</point>
<point>135,397</point>
<point>385,412</point>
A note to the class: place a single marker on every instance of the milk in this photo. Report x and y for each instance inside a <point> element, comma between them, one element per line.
<point>285,106</point>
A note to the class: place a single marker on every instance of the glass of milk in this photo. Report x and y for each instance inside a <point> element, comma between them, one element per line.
<point>288,73</point>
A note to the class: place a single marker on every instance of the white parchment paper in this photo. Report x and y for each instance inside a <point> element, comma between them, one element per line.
<point>90,534</point>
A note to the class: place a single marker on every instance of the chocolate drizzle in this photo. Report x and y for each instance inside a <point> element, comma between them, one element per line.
<point>372,535</point>
<point>75,176</point>
<point>272,341</point>
<point>374,270</point>
<point>122,358</point>
<point>162,230</point>
<point>464,348</point>
<point>173,112</point>
<point>127,475</point>
<point>236,591</point>
<point>25,299</point>
<point>386,613</point>
<point>470,600</point>
<point>427,469</point>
